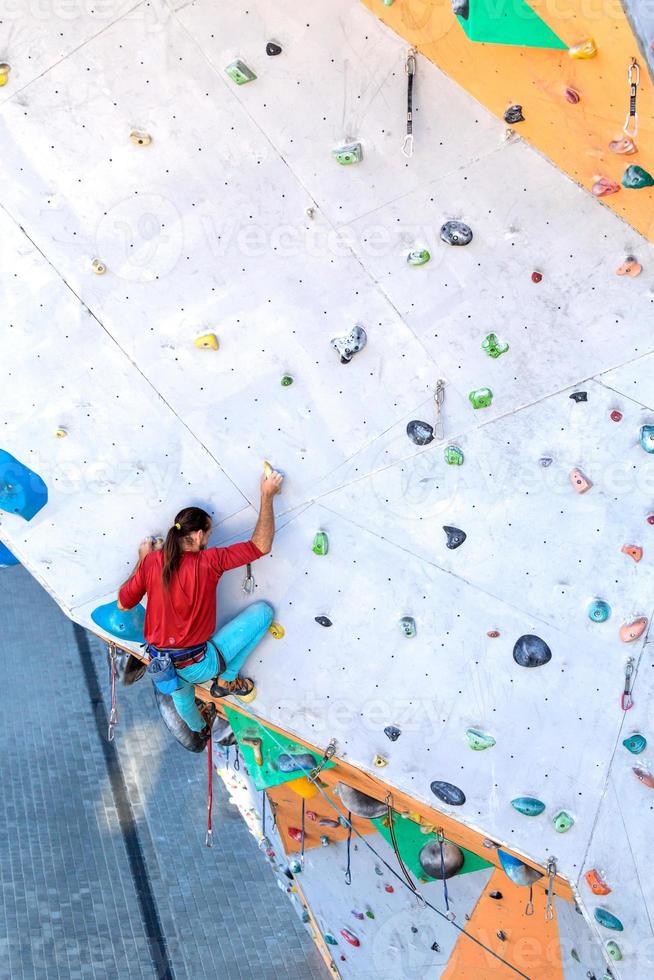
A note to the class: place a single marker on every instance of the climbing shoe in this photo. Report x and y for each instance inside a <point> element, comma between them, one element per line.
<point>240,687</point>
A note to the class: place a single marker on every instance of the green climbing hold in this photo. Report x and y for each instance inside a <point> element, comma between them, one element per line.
<point>635,743</point>
<point>481,397</point>
<point>562,822</point>
<point>635,177</point>
<point>408,625</point>
<point>453,455</point>
<point>418,257</point>
<point>507,22</point>
<point>493,347</point>
<point>240,73</point>
<point>575,955</point>
<point>346,155</point>
<point>320,544</point>
<point>286,381</point>
<point>647,438</point>
<point>478,741</point>
<point>528,806</point>
<point>613,950</point>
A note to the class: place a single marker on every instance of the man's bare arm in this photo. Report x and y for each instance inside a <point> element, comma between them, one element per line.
<point>264,531</point>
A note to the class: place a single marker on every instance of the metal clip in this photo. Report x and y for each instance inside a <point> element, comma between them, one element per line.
<point>439,398</point>
<point>626,700</point>
<point>529,907</point>
<point>630,127</point>
<point>248,581</point>
<point>551,875</point>
<point>407,146</point>
<point>209,838</point>
<point>410,64</point>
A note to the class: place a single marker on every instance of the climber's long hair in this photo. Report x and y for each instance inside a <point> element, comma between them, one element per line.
<point>188,520</point>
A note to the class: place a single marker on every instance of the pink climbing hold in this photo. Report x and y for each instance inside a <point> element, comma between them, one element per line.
<point>630,267</point>
<point>572,95</point>
<point>536,276</point>
<point>634,630</point>
<point>624,146</point>
<point>616,416</point>
<point>493,634</point>
<point>650,518</point>
<point>311,815</point>
<point>580,482</point>
<point>643,776</point>
<point>603,186</point>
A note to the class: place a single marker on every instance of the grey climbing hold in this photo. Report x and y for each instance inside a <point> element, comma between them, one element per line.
<point>430,859</point>
<point>531,651</point>
<point>421,433</point>
<point>455,537</point>
<point>456,233</point>
<point>513,115</point>
<point>295,763</point>
<point>272,48</point>
<point>579,396</point>
<point>323,620</point>
<point>448,793</point>
<point>546,461</point>
<point>392,732</point>
<point>461,8</point>
<point>350,344</point>
<point>360,804</point>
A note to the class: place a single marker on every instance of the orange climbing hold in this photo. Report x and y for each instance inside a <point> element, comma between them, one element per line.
<point>303,788</point>
<point>596,883</point>
<point>630,267</point>
<point>634,630</point>
<point>603,186</point>
<point>633,550</point>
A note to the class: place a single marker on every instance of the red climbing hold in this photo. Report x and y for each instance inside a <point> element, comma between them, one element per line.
<point>633,550</point>
<point>493,634</point>
<point>389,889</point>
<point>650,519</point>
<point>295,833</point>
<point>616,416</point>
<point>350,937</point>
<point>536,276</point>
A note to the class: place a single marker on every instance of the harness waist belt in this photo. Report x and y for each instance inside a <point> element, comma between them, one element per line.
<point>185,656</point>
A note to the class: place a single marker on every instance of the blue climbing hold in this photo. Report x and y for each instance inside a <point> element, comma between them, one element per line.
<point>448,793</point>
<point>123,624</point>
<point>635,743</point>
<point>608,920</point>
<point>296,763</point>
<point>6,557</point>
<point>528,806</point>
<point>647,438</point>
<point>599,611</point>
<point>21,490</point>
<point>519,872</point>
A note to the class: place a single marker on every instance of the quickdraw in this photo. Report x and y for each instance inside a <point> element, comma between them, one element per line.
<point>329,752</point>
<point>529,907</point>
<point>441,840</point>
<point>410,68</point>
<point>391,827</point>
<point>630,127</point>
<point>248,583</point>
<point>626,701</point>
<point>439,398</point>
<point>303,832</point>
<point>551,875</point>
<point>348,870</point>
<point>209,838</point>
<point>113,715</point>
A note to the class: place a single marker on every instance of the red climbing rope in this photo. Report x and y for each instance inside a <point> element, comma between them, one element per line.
<point>209,837</point>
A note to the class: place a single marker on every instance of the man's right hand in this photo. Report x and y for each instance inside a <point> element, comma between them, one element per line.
<point>272,484</point>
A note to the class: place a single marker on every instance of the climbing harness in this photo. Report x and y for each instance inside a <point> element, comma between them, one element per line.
<point>441,840</point>
<point>626,700</point>
<point>113,715</point>
<point>348,870</point>
<point>209,838</point>
<point>329,752</point>
<point>248,582</point>
<point>630,127</point>
<point>410,68</point>
<point>439,398</point>
<point>551,875</point>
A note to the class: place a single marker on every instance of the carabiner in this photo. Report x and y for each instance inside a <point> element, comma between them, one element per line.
<point>630,127</point>
<point>410,65</point>
<point>626,701</point>
<point>407,146</point>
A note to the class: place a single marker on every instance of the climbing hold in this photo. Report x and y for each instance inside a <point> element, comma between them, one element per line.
<point>643,776</point>
<point>379,761</point>
<point>616,416</point>
<point>603,186</point>
<point>430,859</point>
<point>493,634</point>
<point>419,256</point>
<point>126,624</point>
<point>4,73</point>
<point>635,743</point>
<point>650,518</point>
<point>207,341</point>
<point>408,625</point>
<point>350,344</point>
<point>286,381</point>
<point>575,955</point>
<point>528,806</point>
<point>348,154</point>
<point>536,276</point>
<point>580,482</point>
<point>389,889</point>
<point>21,490</point>
<point>295,763</point>
<point>240,73</point>
<point>608,920</point>
<point>276,630</point>
<point>635,177</point>
<point>531,651</point>
<point>630,267</point>
<point>455,537</point>
<point>633,550</point>
<point>370,914</point>
<point>329,939</point>
<point>599,611</point>
<point>61,433</point>
<point>328,822</point>
<point>324,840</point>
<point>357,915</point>
<point>295,866</point>
<point>6,557</point>
<point>579,396</point>
<point>140,139</point>
<point>360,804</point>
<point>310,814</point>
<point>320,543</point>
<point>453,456</point>
<point>98,267</point>
<point>586,49</point>
<point>625,146</point>
<point>256,745</point>
<point>496,895</point>
<point>421,433</point>
<point>272,49</point>
<point>461,8</point>
<point>545,461</point>
<point>514,115</point>
<point>478,740</point>
<point>493,347</point>
<point>634,630</point>
<point>392,732</point>
<point>596,882</point>
<point>517,871</point>
<point>647,438</point>
<point>572,95</point>
<point>481,397</point>
<point>190,740</point>
<point>456,233</point>
<point>448,793</point>
<point>323,620</point>
<point>295,834</point>
<point>613,950</point>
<point>562,822</point>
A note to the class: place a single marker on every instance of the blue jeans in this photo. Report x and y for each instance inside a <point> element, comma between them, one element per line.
<point>236,640</point>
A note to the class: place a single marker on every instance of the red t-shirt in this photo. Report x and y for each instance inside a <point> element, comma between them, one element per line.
<point>185,614</point>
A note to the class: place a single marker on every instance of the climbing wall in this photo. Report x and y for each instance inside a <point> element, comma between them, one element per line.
<point>235,221</point>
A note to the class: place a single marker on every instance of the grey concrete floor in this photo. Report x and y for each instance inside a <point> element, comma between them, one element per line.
<point>103,868</point>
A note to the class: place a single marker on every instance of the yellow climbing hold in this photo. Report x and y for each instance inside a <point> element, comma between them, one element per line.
<point>256,745</point>
<point>61,433</point>
<point>4,73</point>
<point>98,267</point>
<point>302,787</point>
<point>587,49</point>
<point>246,698</point>
<point>276,630</point>
<point>207,341</point>
<point>267,468</point>
<point>379,761</point>
<point>140,139</point>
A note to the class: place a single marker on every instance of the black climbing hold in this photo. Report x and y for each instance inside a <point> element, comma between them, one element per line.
<point>436,948</point>
<point>430,859</point>
<point>501,935</point>
<point>461,8</point>
<point>531,651</point>
<point>414,929</point>
<point>448,793</point>
<point>422,433</point>
<point>193,741</point>
<point>360,804</point>
<point>129,668</point>
<point>496,895</point>
<point>514,115</point>
<point>272,48</point>
<point>323,620</point>
<point>455,537</point>
<point>579,396</point>
<point>296,763</point>
<point>456,233</point>
<point>392,732</point>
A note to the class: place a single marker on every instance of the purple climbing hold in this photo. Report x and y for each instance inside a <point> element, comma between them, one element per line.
<point>448,793</point>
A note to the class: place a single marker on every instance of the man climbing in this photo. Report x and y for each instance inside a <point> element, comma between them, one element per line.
<point>180,580</point>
